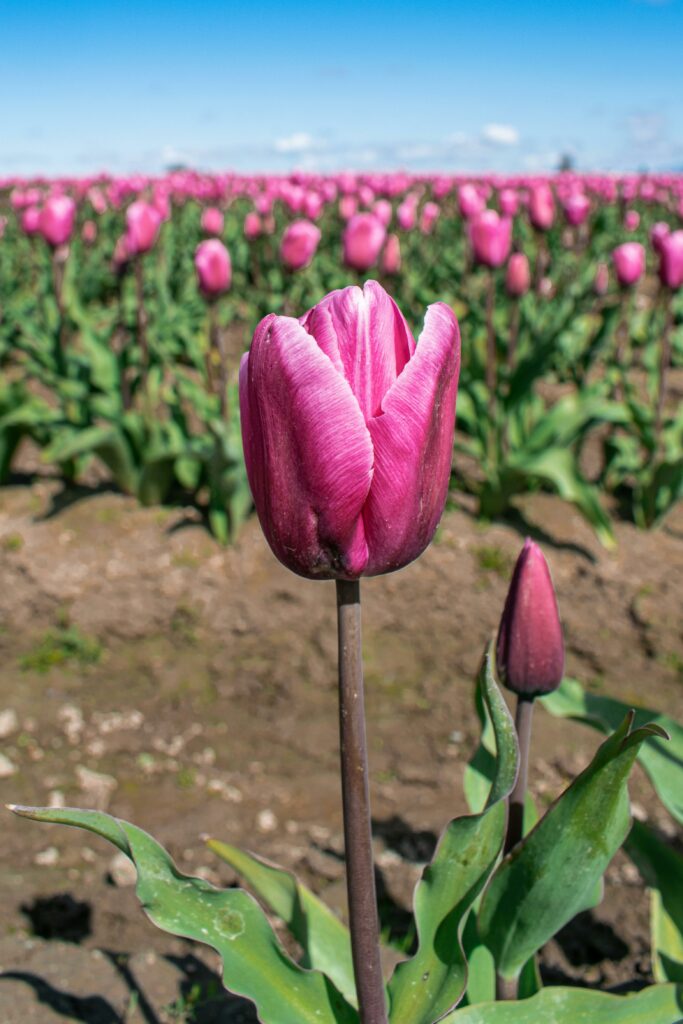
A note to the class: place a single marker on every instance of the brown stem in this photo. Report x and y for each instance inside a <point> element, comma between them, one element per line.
<point>360,874</point>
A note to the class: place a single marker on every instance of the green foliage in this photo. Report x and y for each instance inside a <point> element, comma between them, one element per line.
<point>61,646</point>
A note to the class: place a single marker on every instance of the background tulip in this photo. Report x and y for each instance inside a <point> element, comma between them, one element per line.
<point>671,260</point>
<point>252,226</point>
<point>576,208</point>
<point>391,255</point>
<point>541,207</point>
<point>57,220</point>
<point>658,232</point>
<point>362,241</point>
<point>142,227</point>
<point>632,220</point>
<point>214,270</point>
<point>491,237</point>
<point>299,243</point>
<point>30,220</point>
<point>601,283</point>
<point>518,274</point>
<point>212,221</point>
<point>347,429</point>
<point>629,263</point>
<point>470,202</point>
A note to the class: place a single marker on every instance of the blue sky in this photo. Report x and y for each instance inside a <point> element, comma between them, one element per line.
<point>481,85</point>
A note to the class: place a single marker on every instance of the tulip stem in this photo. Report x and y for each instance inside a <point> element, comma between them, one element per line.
<point>360,874</point>
<point>665,359</point>
<point>491,364</point>
<point>141,313</point>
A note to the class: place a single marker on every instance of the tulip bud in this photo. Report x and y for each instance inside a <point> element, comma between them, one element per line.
<point>212,221</point>
<point>629,263</point>
<point>428,217</point>
<point>518,275</point>
<point>601,283</point>
<point>142,227</point>
<point>530,648</point>
<point>541,207</point>
<point>362,241</point>
<point>576,208</point>
<point>30,220</point>
<point>348,206</point>
<point>631,220</point>
<point>470,203</point>
<point>658,233</point>
<point>406,214</point>
<point>509,202</point>
<point>347,429</point>
<point>57,220</point>
<point>252,226</point>
<point>383,211</point>
<point>299,243</point>
<point>671,260</point>
<point>214,270</point>
<point>89,232</point>
<point>391,256</point>
<point>491,237</point>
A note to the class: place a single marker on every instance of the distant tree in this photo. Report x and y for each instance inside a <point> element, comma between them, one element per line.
<point>566,162</point>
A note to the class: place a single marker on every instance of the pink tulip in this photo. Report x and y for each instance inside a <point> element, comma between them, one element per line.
<point>576,208</point>
<point>348,206</point>
<point>252,226</point>
<point>530,647</point>
<point>428,217</point>
<point>470,202</point>
<point>391,256</point>
<point>30,220</point>
<point>383,211</point>
<point>142,227</point>
<point>214,270</point>
<point>89,232</point>
<point>632,220</point>
<point>57,219</point>
<point>406,214</point>
<point>541,207</point>
<point>212,221</point>
<point>121,256</point>
<point>491,237</point>
<point>629,262</point>
<point>518,275</point>
<point>509,202</point>
<point>601,283</point>
<point>658,233</point>
<point>347,429</point>
<point>671,260</point>
<point>362,241</point>
<point>299,243</point>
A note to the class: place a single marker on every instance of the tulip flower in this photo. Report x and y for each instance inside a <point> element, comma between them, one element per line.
<point>142,227</point>
<point>509,202</point>
<point>671,260</point>
<point>299,243</point>
<point>89,232</point>
<point>391,256</point>
<point>212,221</point>
<point>632,220</point>
<point>470,203</point>
<point>530,648</point>
<point>658,233</point>
<point>629,263</point>
<point>348,431</point>
<point>491,237</point>
<point>428,217</point>
<point>518,275</point>
<point>30,220</point>
<point>57,220</point>
<point>576,208</point>
<point>541,207</point>
<point>348,207</point>
<point>252,226</point>
<point>362,241</point>
<point>213,266</point>
<point>406,214</point>
<point>383,211</point>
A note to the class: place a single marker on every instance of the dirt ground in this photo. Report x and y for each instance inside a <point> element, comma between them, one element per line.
<point>191,689</point>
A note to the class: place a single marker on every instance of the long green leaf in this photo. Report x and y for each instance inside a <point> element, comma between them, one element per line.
<point>663,761</point>
<point>323,937</point>
<point>230,920</point>
<point>659,1004</point>
<point>552,874</point>
<point>433,981</point>
<point>662,869</point>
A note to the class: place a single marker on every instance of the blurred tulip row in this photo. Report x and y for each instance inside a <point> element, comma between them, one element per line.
<point>125,304</point>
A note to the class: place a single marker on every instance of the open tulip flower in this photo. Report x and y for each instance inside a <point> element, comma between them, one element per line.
<point>348,432</point>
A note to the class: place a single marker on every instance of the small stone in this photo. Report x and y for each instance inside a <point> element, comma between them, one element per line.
<point>47,858</point>
<point>266,821</point>
<point>638,811</point>
<point>56,799</point>
<point>9,723</point>
<point>71,718</point>
<point>122,871</point>
<point>7,767</point>
<point>456,736</point>
<point>97,787</point>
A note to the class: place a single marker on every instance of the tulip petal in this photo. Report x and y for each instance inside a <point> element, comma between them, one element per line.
<point>413,444</point>
<point>308,452</point>
<point>355,329</point>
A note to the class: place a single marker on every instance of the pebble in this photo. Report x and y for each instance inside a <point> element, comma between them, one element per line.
<point>7,767</point>
<point>122,871</point>
<point>266,821</point>
<point>9,723</point>
<point>72,721</point>
<point>97,787</point>
<point>47,858</point>
<point>56,799</point>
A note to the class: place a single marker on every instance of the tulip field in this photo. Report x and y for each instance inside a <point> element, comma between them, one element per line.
<point>126,303</point>
<point>355,374</point>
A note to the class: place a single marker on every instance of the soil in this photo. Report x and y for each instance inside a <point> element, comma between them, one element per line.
<point>198,684</point>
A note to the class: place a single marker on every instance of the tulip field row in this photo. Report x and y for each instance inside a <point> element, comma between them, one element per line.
<point>126,303</point>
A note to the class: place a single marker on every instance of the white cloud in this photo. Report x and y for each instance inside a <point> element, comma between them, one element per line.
<point>297,142</point>
<point>500,134</point>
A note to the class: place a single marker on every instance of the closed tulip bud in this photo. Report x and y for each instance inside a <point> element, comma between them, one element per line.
<point>406,214</point>
<point>348,206</point>
<point>509,202</point>
<point>576,208</point>
<point>541,207</point>
<point>214,270</point>
<point>30,220</point>
<point>428,218</point>
<point>671,260</point>
<point>518,275</point>
<point>252,226</point>
<point>383,211</point>
<point>212,221</point>
<point>530,648</point>
<point>347,429</point>
<point>57,220</point>
<point>89,232</point>
<point>362,241</point>
<point>601,283</point>
<point>491,237</point>
<point>470,203</point>
<point>142,227</point>
<point>631,220</point>
<point>658,233</point>
<point>629,263</point>
<point>391,256</point>
<point>299,243</point>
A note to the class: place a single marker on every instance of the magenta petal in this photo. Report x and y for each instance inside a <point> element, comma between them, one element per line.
<point>367,338</point>
<point>413,443</point>
<point>308,452</point>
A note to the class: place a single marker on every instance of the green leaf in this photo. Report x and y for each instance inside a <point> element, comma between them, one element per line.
<point>662,870</point>
<point>659,1004</point>
<point>552,874</point>
<point>323,937</point>
<point>230,920</point>
<point>432,982</point>
<point>663,761</point>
